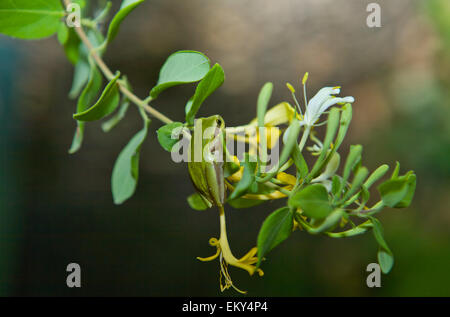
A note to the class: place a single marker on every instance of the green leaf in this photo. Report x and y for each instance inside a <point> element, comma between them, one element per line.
<point>229,168</point>
<point>124,105</point>
<point>353,157</point>
<point>291,141</point>
<point>263,102</point>
<point>165,135</point>
<point>378,233</point>
<point>276,228</point>
<point>82,66</point>
<point>300,163</point>
<point>30,19</point>
<point>197,202</point>
<point>393,191</point>
<point>346,118</point>
<point>396,170</point>
<point>91,90</point>
<point>81,3</point>
<point>125,9</point>
<point>290,144</point>
<point>102,15</point>
<point>360,229</point>
<point>86,98</point>
<point>188,106</point>
<point>398,193</point>
<point>336,185</point>
<point>329,222</point>
<point>248,178</point>
<point>260,189</point>
<point>386,260</point>
<point>213,80</point>
<point>357,182</point>
<point>70,41</point>
<point>80,77</point>
<point>376,175</point>
<point>126,169</point>
<point>385,256</point>
<point>181,67</point>
<point>332,126</point>
<point>63,33</point>
<point>365,195</point>
<point>406,201</point>
<point>114,121</point>
<point>107,103</point>
<point>313,200</point>
<point>240,203</point>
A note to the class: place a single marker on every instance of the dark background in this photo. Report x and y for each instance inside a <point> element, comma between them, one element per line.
<point>57,208</point>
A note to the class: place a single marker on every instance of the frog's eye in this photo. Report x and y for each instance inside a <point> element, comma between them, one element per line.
<point>219,122</point>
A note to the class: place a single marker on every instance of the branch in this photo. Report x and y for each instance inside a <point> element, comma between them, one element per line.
<point>144,104</point>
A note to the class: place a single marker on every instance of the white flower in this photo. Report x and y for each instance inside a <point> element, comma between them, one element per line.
<point>323,100</point>
<point>320,103</point>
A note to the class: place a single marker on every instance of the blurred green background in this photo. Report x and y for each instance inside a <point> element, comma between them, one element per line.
<point>56,208</point>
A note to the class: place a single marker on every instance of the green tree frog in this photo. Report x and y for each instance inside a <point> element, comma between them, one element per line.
<point>206,169</point>
<point>206,160</point>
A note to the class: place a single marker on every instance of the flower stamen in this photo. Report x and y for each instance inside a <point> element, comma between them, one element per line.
<point>226,257</point>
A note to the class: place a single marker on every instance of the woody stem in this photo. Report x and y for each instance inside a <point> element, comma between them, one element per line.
<point>144,104</point>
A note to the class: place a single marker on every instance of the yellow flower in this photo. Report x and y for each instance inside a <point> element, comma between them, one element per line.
<point>287,179</point>
<point>280,114</point>
<point>226,257</point>
<point>283,113</point>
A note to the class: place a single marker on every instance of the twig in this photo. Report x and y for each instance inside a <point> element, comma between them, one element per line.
<point>109,75</point>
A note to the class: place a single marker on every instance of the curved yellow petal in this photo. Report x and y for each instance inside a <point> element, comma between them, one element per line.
<point>286,178</point>
<point>210,258</point>
<point>280,114</point>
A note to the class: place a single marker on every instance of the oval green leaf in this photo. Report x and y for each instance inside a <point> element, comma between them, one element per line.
<point>108,102</point>
<point>376,175</point>
<point>406,201</point>
<point>126,169</point>
<point>313,200</point>
<point>166,137</point>
<point>276,228</point>
<point>300,163</point>
<point>329,223</point>
<point>88,95</point>
<point>121,113</point>
<point>248,178</point>
<point>241,203</point>
<point>353,157</point>
<point>181,68</point>
<point>263,102</point>
<point>393,191</point>
<point>357,182</point>
<point>196,202</point>
<point>125,9</point>
<point>30,19</point>
<point>386,260</point>
<point>213,80</point>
